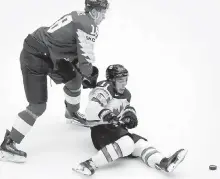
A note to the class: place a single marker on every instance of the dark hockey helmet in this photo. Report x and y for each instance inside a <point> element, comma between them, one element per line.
<point>114,71</point>
<point>103,4</point>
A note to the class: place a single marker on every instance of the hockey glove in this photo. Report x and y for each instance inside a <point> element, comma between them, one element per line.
<point>129,118</point>
<point>64,72</point>
<point>107,115</point>
<point>90,82</point>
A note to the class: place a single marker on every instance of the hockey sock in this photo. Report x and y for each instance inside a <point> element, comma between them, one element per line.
<point>72,99</point>
<point>148,154</point>
<point>25,121</point>
<point>120,148</point>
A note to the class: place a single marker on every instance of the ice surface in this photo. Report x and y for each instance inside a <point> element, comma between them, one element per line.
<point>171,49</point>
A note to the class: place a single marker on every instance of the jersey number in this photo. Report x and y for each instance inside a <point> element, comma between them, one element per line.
<point>60,23</point>
<point>66,20</point>
<point>95,31</point>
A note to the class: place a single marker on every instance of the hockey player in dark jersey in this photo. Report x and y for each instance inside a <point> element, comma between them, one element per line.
<point>112,116</point>
<point>63,51</point>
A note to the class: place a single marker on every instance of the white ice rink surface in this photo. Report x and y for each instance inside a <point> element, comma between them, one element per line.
<point>171,49</point>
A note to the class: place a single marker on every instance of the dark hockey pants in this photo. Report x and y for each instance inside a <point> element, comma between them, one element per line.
<point>35,66</point>
<point>103,135</point>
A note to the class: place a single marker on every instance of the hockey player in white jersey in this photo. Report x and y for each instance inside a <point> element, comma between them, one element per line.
<point>111,114</point>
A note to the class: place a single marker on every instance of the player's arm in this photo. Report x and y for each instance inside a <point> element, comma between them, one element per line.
<point>86,58</point>
<point>129,116</point>
<point>96,111</point>
<point>85,45</point>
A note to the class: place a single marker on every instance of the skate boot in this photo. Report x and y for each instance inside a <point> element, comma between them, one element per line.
<point>86,168</point>
<point>9,152</point>
<point>169,164</point>
<point>76,118</point>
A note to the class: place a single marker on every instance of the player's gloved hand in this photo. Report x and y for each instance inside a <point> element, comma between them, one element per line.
<point>129,118</point>
<point>107,115</point>
<point>64,72</point>
<point>90,82</point>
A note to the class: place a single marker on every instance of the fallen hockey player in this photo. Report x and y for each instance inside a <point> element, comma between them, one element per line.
<point>109,107</point>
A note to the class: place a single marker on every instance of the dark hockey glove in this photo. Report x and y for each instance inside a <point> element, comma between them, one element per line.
<point>129,118</point>
<point>107,115</point>
<point>90,82</point>
<point>64,72</point>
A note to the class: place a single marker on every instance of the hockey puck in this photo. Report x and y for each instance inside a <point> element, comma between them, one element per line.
<point>212,167</point>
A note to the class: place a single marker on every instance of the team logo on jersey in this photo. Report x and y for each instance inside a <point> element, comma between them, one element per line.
<point>91,38</point>
<point>117,110</point>
<point>86,42</point>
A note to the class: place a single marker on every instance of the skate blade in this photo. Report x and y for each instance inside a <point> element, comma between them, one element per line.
<point>6,157</point>
<point>180,158</point>
<point>72,121</point>
<point>83,171</point>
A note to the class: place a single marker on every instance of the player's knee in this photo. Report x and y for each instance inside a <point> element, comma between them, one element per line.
<point>140,145</point>
<point>126,144</point>
<point>74,84</point>
<point>37,109</point>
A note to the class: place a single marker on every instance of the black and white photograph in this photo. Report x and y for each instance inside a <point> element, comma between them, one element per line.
<point>103,89</point>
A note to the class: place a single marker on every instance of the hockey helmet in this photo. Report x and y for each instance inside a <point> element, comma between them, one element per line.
<point>115,71</point>
<point>103,4</point>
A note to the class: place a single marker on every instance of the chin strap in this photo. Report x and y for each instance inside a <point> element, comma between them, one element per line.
<point>93,16</point>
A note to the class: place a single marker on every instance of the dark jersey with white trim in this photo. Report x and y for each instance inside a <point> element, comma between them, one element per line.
<point>71,37</point>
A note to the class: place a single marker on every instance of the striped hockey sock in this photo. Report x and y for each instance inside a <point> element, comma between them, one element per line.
<point>72,99</point>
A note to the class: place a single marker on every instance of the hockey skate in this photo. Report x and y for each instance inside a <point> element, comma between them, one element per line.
<point>9,152</point>
<point>76,118</point>
<point>86,168</point>
<point>169,164</point>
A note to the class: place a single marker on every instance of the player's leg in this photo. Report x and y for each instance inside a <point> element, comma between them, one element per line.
<point>111,152</point>
<point>72,92</point>
<point>111,144</point>
<point>155,159</point>
<point>35,85</point>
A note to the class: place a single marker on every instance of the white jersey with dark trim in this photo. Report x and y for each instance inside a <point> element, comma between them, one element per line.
<point>104,96</point>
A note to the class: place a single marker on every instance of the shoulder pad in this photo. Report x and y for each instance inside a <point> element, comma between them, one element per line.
<point>84,23</point>
<point>106,85</point>
<point>102,92</point>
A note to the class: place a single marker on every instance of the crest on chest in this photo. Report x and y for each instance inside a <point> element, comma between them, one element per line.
<point>117,105</point>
